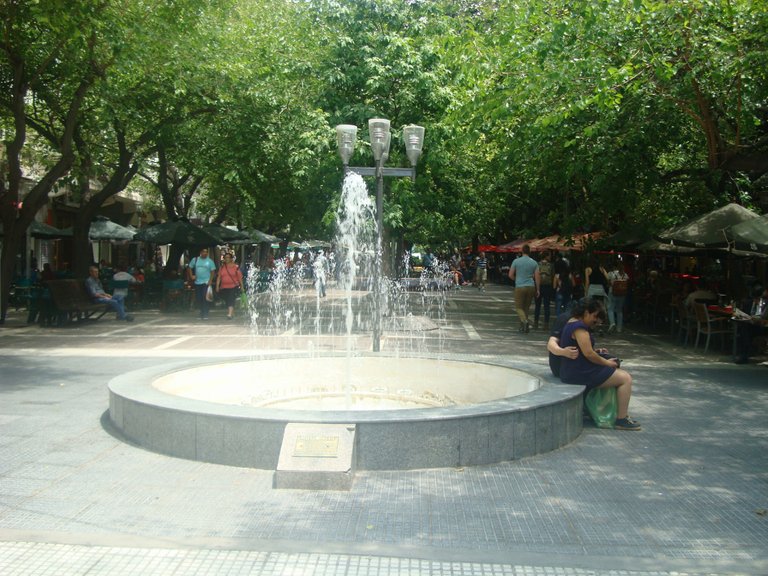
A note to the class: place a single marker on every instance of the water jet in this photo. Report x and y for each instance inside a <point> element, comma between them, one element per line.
<point>410,407</point>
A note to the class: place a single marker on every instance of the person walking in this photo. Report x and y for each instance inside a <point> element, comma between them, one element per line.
<point>229,283</point>
<point>524,272</point>
<point>618,282</point>
<point>320,272</point>
<point>595,282</point>
<point>546,292</point>
<point>202,271</point>
<point>481,271</point>
<point>562,284</point>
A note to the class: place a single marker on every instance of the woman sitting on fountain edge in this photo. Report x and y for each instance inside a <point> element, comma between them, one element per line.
<point>589,368</point>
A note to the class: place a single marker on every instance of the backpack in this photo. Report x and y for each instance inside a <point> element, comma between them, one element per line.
<point>191,269</point>
<point>545,271</point>
<point>620,287</point>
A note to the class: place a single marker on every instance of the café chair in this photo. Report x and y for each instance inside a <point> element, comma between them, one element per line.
<point>706,324</point>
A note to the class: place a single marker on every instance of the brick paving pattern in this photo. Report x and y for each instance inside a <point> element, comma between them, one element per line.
<point>687,495</point>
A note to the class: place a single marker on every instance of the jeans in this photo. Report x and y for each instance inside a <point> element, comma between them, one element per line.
<point>562,303</point>
<point>616,306</point>
<point>205,306</point>
<point>116,303</point>
<point>545,297</point>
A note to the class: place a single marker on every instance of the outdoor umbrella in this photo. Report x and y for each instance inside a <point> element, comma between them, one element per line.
<point>42,230</point>
<point>258,236</point>
<point>751,235</point>
<point>577,242</point>
<point>514,246</point>
<point>313,244</point>
<point>544,244</point>
<point>176,232</point>
<point>629,236</point>
<point>227,235</point>
<point>708,230</point>
<point>656,246</point>
<point>103,228</point>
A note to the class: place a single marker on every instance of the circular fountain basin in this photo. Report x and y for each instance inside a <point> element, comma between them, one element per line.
<point>408,412</point>
<point>358,383</point>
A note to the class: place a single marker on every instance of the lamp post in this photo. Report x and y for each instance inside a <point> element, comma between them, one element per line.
<point>380,137</point>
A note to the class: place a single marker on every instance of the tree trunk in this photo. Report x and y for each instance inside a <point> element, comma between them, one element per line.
<point>16,222</point>
<point>10,246</point>
<point>118,181</point>
<point>174,257</point>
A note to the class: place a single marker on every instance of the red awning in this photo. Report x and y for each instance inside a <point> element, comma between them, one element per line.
<point>514,246</point>
<point>554,242</point>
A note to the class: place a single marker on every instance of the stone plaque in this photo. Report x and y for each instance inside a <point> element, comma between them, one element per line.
<point>316,446</point>
<point>316,457</point>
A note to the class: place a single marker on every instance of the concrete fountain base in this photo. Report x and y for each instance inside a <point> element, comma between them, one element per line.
<point>477,419</point>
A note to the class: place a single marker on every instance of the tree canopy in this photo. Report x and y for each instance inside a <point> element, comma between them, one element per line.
<point>542,116</point>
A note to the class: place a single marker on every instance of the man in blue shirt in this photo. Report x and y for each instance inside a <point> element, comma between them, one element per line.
<point>524,272</point>
<point>202,271</point>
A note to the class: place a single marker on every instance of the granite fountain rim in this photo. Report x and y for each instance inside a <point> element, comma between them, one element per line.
<point>136,386</point>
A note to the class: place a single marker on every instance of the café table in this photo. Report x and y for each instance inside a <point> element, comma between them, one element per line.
<point>727,312</point>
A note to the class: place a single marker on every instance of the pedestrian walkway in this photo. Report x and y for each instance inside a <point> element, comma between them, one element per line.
<point>687,495</point>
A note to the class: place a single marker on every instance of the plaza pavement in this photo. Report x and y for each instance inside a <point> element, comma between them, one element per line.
<point>687,495</point>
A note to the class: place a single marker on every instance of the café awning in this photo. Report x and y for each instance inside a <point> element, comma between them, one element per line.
<point>177,232</point>
<point>751,235</point>
<point>707,230</point>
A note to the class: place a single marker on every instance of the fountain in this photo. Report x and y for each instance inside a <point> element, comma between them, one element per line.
<point>407,406</point>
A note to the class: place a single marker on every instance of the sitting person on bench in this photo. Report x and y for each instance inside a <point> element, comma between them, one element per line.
<point>97,294</point>
<point>590,368</point>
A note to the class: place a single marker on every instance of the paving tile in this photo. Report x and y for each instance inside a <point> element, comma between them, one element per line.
<point>685,496</point>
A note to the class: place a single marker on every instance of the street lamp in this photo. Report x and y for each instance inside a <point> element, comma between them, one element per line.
<point>346,136</point>
<point>381,137</point>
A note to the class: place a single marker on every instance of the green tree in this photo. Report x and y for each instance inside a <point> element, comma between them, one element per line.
<point>164,76</point>
<point>54,53</point>
<point>387,60</point>
<point>252,155</point>
<point>617,111</point>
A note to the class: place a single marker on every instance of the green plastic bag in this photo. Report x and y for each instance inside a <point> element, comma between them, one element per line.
<point>244,300</point>
<point>602,406</point>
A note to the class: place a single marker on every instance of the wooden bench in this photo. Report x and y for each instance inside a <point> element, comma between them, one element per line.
<point>72,301</point>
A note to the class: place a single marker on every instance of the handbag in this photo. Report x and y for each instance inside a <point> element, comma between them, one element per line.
<point>602,406</point>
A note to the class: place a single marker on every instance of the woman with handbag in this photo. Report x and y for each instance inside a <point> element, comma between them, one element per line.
<point>590,368</point>
<point>229,283</point>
